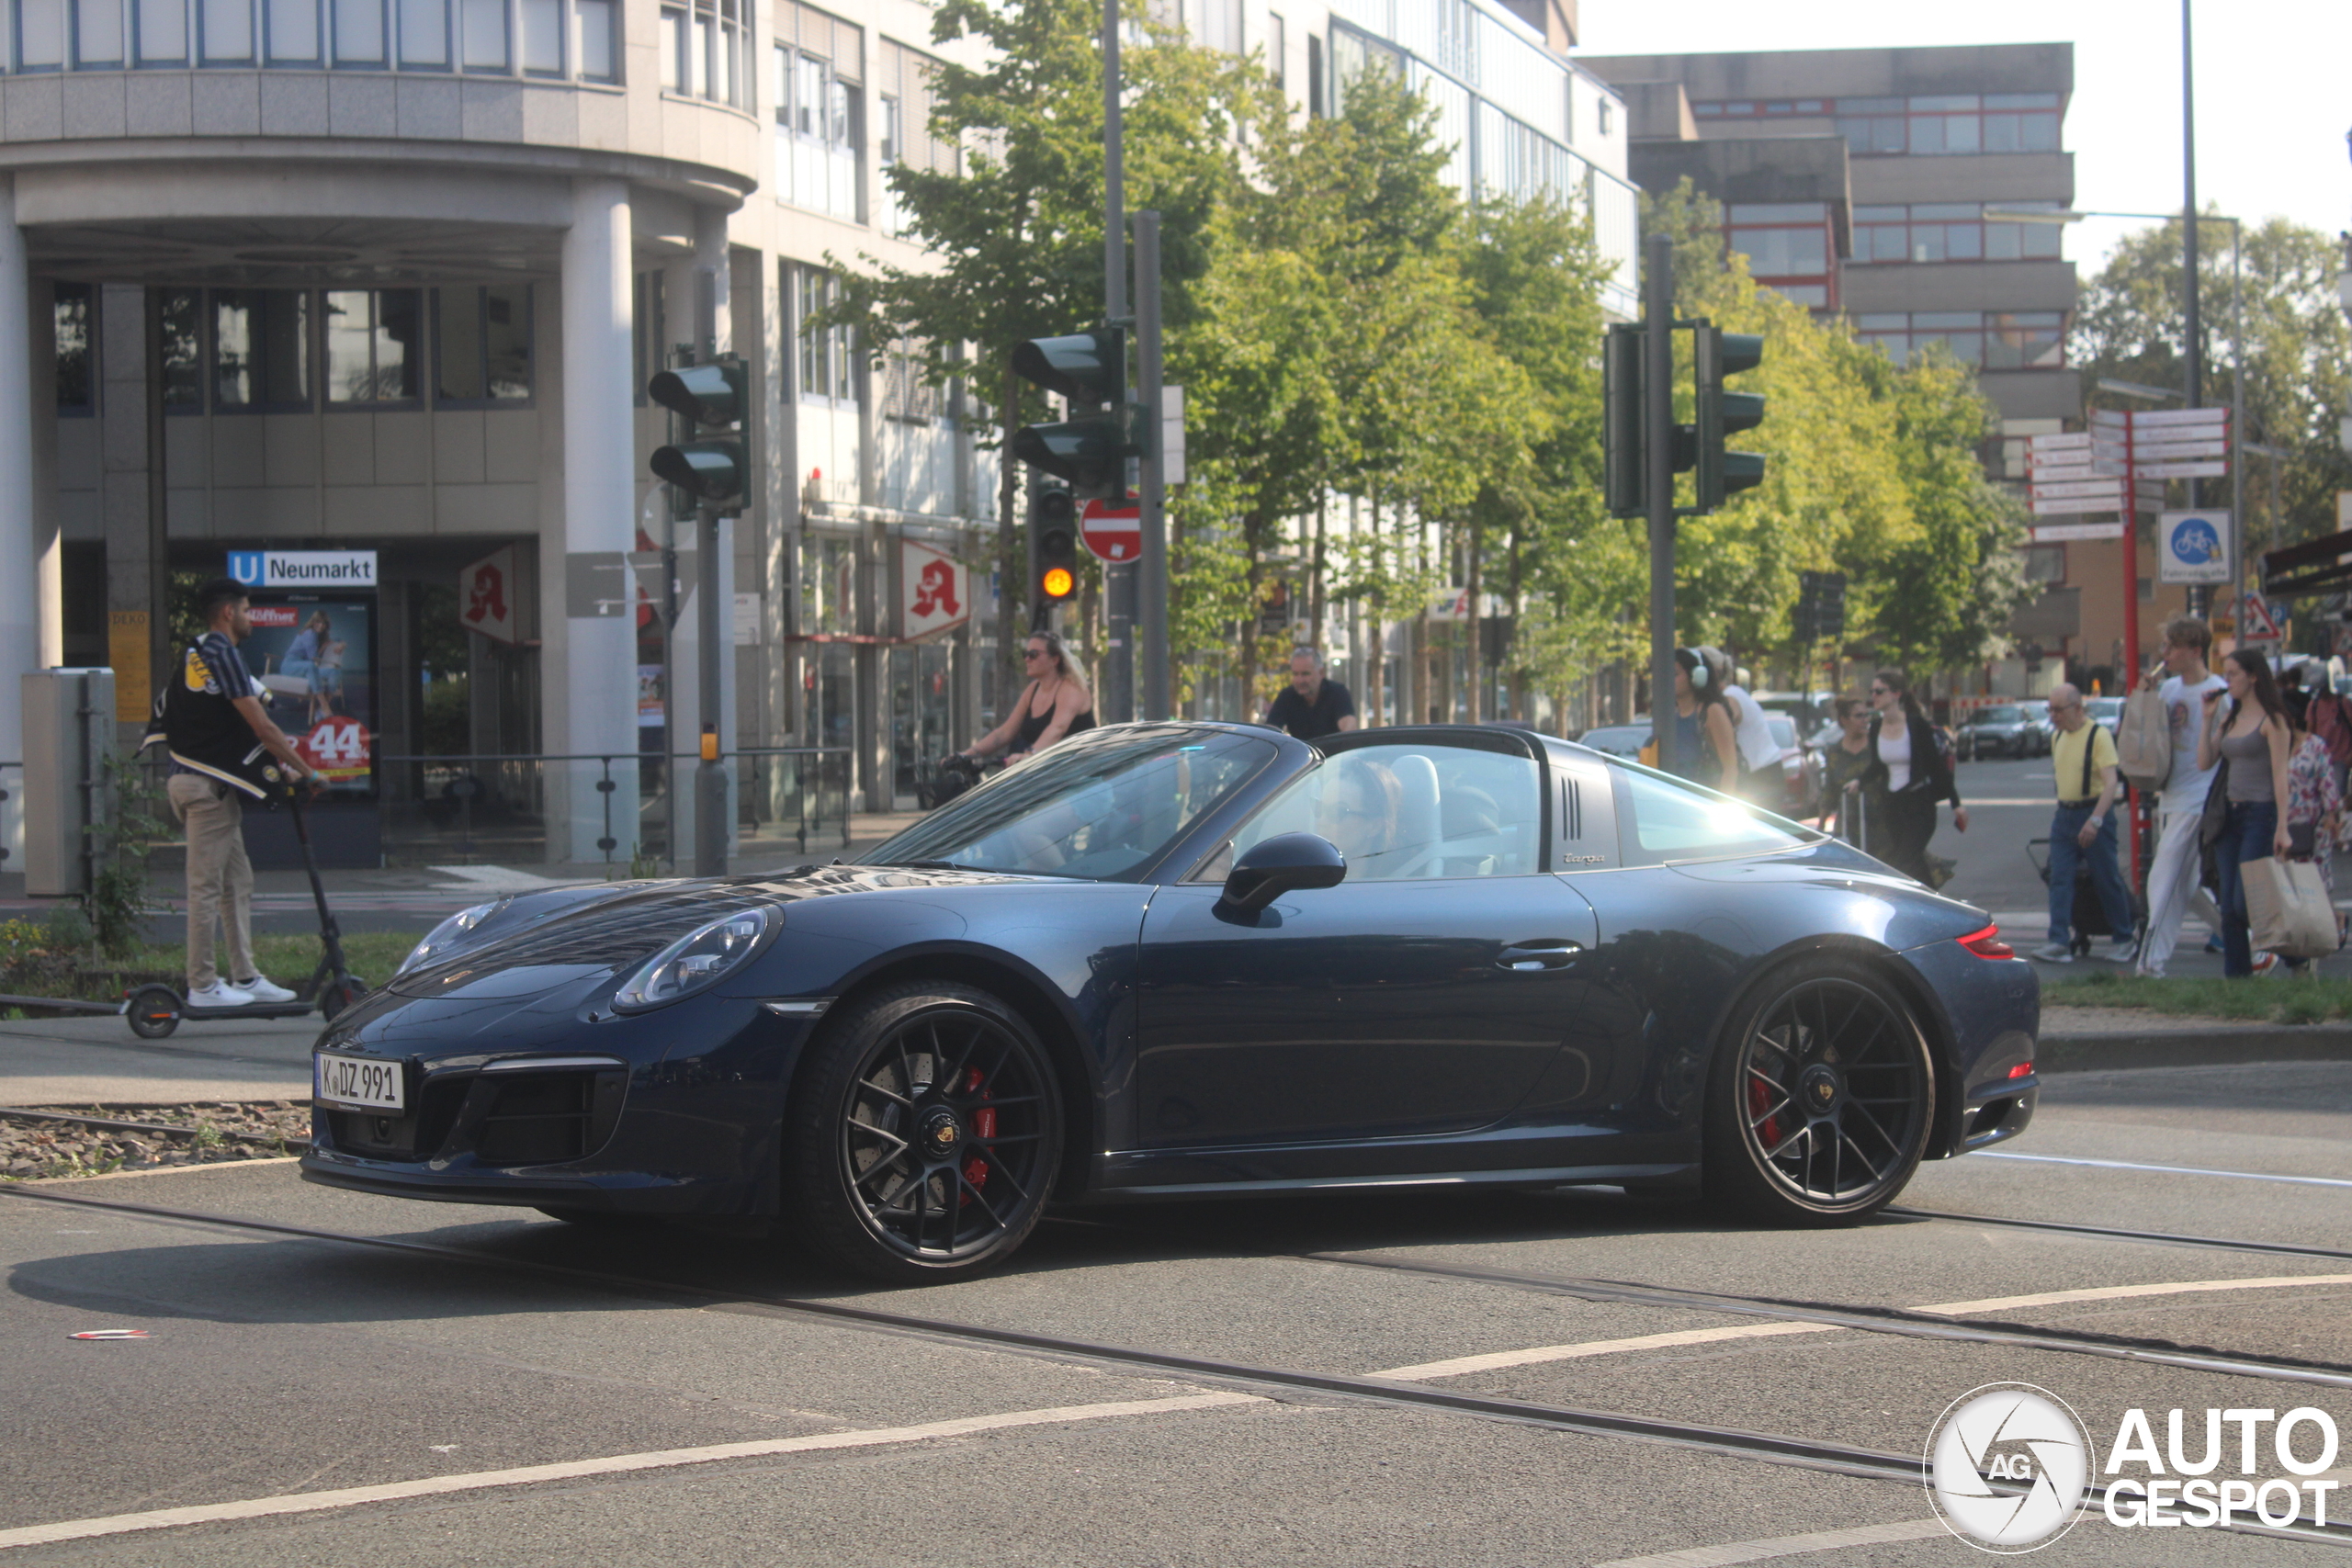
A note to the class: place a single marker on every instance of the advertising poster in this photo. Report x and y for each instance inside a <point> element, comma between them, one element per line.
<point>317,657</point>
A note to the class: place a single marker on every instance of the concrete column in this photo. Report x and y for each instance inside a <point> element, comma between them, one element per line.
<point>599,677</point>
<point>20,552</point>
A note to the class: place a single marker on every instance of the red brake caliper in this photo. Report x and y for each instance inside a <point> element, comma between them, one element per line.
<point>1758,1097</point>
<point>976,1170</point>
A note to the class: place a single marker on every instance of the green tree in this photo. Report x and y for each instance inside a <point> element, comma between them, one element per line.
<point>2129,326</point>
<point>1014,237</point>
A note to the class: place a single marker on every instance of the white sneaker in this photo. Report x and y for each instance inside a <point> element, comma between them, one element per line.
<point>2054,953</point>
<point>220,994</point>
<point>2123,952</point>
<point>262,989</point>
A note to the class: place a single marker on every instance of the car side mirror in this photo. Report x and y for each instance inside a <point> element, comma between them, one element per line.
<point>1288,863</point>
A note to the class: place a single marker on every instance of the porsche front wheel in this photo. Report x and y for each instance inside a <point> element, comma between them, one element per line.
<point>923,1134</point>
<point>1820,1099</point>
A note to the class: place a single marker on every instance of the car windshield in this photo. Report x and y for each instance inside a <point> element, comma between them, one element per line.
<point>1781,728</point>
<point>1996,716</point>
<point>1099,806</point>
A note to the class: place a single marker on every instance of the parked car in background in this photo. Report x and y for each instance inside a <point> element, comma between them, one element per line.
<point>1617,740</point>
<point>2107,710</point>
<point>2001,729</point>
<point>1810,710</point>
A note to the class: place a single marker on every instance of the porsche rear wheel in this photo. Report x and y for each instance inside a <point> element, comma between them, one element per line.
<point>1821,1098</point>
<point>923,1134</point>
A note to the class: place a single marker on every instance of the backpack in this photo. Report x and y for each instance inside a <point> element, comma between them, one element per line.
<point>2143,740</point>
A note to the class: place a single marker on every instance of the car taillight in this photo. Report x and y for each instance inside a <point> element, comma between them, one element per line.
<point>1987,944</point>
<point>2022,1070</point>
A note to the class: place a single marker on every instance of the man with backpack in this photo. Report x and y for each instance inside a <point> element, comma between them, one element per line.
<point>2082,831</point>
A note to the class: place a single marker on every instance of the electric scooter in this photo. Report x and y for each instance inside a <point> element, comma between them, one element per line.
<point>154,1011</point>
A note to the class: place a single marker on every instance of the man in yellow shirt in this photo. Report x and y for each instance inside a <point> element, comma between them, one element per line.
<point>2082,831</point>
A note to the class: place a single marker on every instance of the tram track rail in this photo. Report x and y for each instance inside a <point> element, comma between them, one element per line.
<point>2112,1232</point>
<point>190,1131</point>
<point>1803,1452</point>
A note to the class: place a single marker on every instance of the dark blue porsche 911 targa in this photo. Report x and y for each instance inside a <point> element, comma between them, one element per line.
<point>1188,960</point>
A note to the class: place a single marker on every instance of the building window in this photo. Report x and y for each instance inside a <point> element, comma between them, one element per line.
<point>487,37</point>
<point>481,35</point>
<point>703,48</point>
<point>97,35</point>
<point>77,383</point>
<point>373,345</point>
<point>1278,51</point>
<point>1608,114</point>
<point>292,31</point>
<point>1353,53</point>
<point>902,88</point>
<point>227,29</point>
<point>828,355</point>
<point>1951,231</point>
<point>1996,340</point>
<point>360,32</point>
<point>162,29</point>
<point>261,349</point>
<point>1788,246</point>
<point>819,70</point>
<point>482,344</point>
<point>1926,126</point>
<point>906,396</point>
<point>2045,563</point>
<point>424,34</point>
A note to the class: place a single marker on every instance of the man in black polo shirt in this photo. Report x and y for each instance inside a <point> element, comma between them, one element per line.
<point>225,751</point>
<point>1314,706</point>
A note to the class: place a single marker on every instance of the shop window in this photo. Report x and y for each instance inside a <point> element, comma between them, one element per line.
<point>77,385</point>
<point>184,351</point>
<point>372,346</point>
<point>483,344</point>
<point>261,349</point>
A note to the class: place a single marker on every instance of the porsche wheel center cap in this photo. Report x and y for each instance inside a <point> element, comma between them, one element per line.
<point>1820,1090</point>
<point>941,1131</point>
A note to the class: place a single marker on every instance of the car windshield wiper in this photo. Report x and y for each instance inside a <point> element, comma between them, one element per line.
<point>933,865</point>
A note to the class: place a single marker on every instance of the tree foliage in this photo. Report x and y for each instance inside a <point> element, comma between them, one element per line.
<point>2130,326</point>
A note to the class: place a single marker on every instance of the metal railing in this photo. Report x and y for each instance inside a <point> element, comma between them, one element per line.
<point>493,807</point>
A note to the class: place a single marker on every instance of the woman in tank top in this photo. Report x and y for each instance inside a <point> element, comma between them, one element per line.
<point>2250,733</point>
<point>1053,705</point>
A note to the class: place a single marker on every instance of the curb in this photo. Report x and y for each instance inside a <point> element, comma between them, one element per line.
<point>2223,1045</point>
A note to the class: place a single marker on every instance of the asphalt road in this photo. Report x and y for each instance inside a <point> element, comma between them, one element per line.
<point>280,1365</point>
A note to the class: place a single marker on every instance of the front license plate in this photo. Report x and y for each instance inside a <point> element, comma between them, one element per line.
<point>357,1080</point>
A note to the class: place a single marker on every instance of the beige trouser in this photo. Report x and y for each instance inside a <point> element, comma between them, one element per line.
<point>220,878</point>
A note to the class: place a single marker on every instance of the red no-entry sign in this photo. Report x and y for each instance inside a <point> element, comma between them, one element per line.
<point>1112,530</point>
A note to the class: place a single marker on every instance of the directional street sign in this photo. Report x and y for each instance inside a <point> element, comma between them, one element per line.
<point>2046,491</point>
<point>2198,470</point>
<point>1112,530</point>
<point>2061,505</point>
<point>2059,532</point>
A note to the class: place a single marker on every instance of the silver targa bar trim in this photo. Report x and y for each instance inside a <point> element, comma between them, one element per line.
<point>799,1007</point>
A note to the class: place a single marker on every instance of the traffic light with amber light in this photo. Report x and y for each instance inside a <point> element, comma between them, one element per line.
<point>1053,535</point>
<point>1089,451</point>
<point>711,469</point>
<point>1720,354</point>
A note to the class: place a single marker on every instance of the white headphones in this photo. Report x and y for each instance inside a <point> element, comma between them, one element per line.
<point>1697,671</point>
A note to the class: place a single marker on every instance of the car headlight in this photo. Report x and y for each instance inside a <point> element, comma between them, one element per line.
<point>448,936</point>
<point>696,960</point>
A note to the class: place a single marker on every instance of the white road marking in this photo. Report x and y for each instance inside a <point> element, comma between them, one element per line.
<point>2127,1292</point>
<point>1462,1365</point>
<point>1784,1546</point>
<point>527,1475</point>
<point>2166,1170</point>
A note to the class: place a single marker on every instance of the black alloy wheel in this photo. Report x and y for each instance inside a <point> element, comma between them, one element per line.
<point>924,1134</point>
<point>1821,1098</point>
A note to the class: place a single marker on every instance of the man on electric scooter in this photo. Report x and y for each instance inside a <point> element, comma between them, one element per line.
<point>224,750</point>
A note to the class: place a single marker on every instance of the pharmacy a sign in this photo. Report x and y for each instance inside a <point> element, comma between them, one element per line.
<point>2193,547</point>
<point>304,569</point>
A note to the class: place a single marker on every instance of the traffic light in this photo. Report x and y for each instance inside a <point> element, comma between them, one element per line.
<point>1053,539</point>
<point>1090,450</point>
<point>1625,471</point>
<point>712,471</point>
<point>1720,354</point>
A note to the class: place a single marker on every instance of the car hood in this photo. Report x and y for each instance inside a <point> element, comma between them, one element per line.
<point>594,934</point>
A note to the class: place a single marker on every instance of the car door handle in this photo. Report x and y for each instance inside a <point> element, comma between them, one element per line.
<point>1531,957</point>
